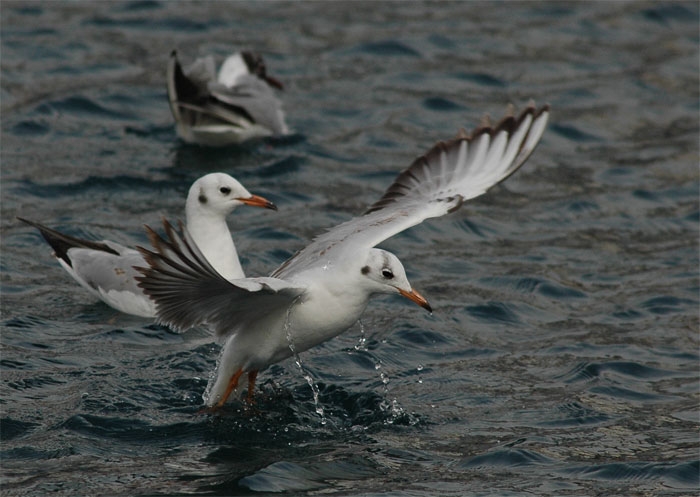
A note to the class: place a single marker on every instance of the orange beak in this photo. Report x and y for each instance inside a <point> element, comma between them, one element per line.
<point>417,298</point>
<point>257,201</point>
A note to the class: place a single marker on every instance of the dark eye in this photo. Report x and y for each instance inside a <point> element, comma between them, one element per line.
<point>387,273</point>
<point>225,190</point>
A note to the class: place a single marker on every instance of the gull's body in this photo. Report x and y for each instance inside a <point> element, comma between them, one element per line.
<point>230,107</point>
<point>323,289</point>
<point>106,269</point>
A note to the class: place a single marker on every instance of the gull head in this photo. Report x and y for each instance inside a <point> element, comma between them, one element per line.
<point>384,273</point>
<point>256,65</point>
<point>217,194</point>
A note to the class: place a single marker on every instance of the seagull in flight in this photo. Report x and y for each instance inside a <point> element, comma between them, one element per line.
<point>234,106</point>
<point>323,289</point>
<point>106,269</point>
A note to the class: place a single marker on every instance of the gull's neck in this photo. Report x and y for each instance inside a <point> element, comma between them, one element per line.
<point>211,234</point>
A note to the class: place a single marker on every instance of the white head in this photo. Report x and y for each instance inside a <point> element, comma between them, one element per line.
<point>210,200</point>
<point>384,273</point>
<point>233,68</point>
<point>216,195</point>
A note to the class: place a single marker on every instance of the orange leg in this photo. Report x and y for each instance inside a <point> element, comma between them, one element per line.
<point>251,386</point>
<point>232,384</point>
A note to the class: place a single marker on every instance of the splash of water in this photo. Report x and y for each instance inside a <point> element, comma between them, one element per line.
<point>297,360</point>
<point>212,377</point>
<point>391,407</point>
<point>361,345</point>
<point>383,376</point>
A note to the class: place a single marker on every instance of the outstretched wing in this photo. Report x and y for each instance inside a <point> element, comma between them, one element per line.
<point>188,291</point>
<point>435,184</point>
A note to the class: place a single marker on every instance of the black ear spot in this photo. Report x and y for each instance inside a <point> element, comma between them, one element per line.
<point>225,190</point>
<point>202,198</point>
<point>364,270</point>
<point>387,273</point>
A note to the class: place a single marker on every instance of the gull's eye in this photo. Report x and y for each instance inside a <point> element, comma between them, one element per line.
<point>387,273</point>
<point>225,190</point>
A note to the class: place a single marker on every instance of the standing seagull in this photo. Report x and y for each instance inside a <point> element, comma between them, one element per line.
<point>106,269</point>
<point>323,289</point>
<point>237,105</point>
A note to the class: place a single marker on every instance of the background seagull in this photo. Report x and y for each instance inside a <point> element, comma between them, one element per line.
<point>106,269</point>
<point>323,289</point>
<point>237,105</point>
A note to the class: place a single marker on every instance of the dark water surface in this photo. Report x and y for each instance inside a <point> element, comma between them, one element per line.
<point>562,356</point>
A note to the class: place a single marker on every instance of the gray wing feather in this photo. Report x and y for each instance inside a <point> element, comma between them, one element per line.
<point>188,291</point>
<point>256,97</point>
<point>106,272</point>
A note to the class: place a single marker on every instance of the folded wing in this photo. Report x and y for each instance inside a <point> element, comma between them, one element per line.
<point>256,98</point>
<point>198,99</point>
<point>103,268</point>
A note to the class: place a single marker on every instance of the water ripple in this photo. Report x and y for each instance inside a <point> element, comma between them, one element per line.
<point>676,475</point>
<point>284,476</point>
<point>505,457</point>
<point>98,183</point>
<point>388,48</point>
<point>576,414</point>
<point>495,312</point>
<point>132,430</point>
<point>441,104</point>
<point>574,134</point>
<point>586,371</point>
<point>13,428</point>
<point>83,106</point>
<point>668,14</point>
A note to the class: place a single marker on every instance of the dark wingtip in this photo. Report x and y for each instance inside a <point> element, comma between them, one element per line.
<point>508,122</point>
<point>34,224</point>
<point>485,127</point>
<point>61,242</point>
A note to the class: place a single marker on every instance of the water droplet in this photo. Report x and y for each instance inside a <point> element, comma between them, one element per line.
<point>297,360</point>
<point>361,345</point>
